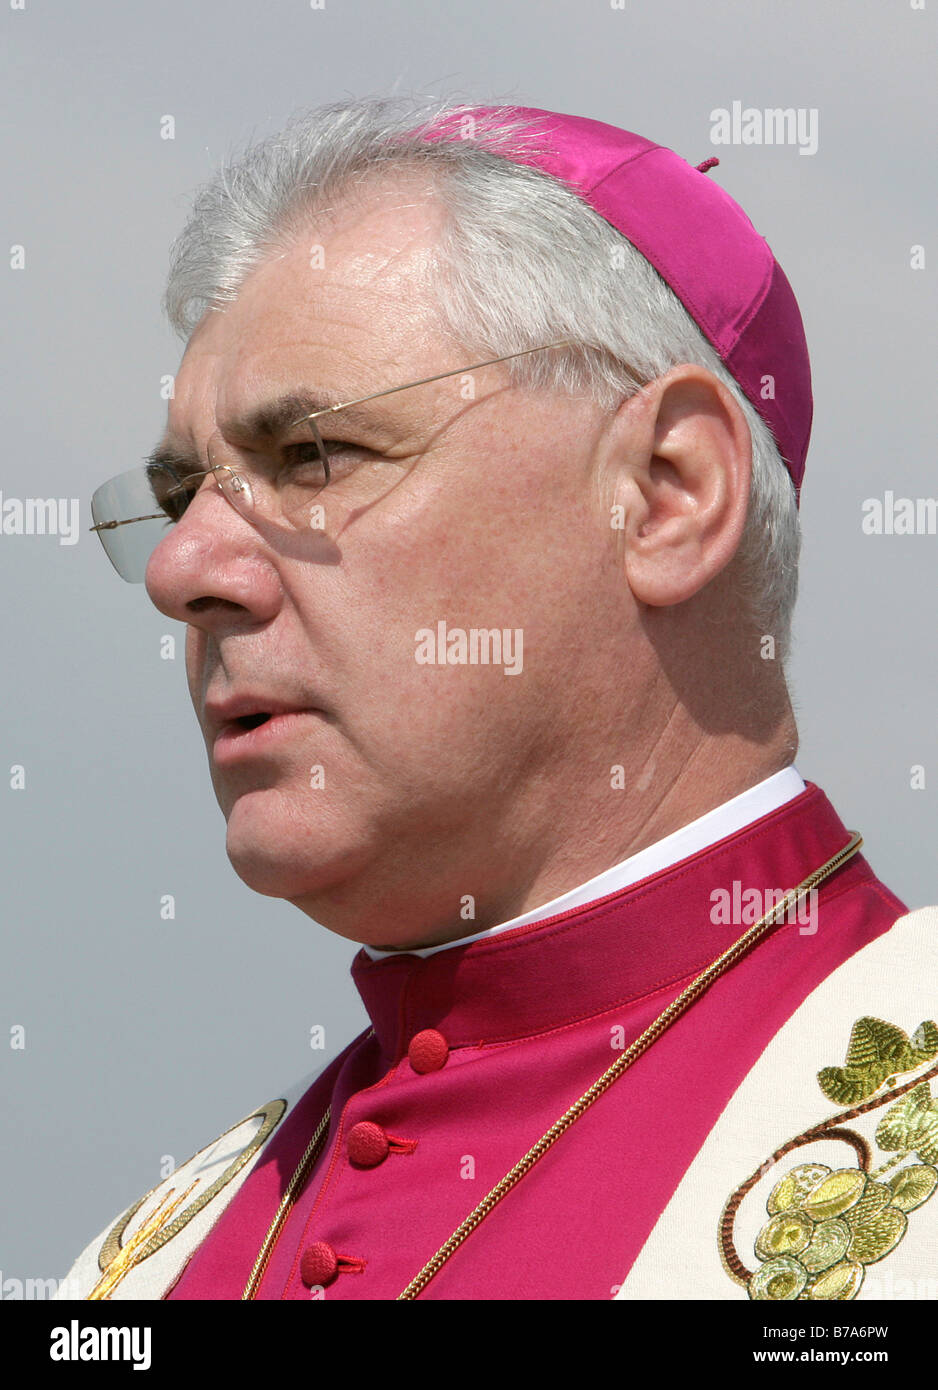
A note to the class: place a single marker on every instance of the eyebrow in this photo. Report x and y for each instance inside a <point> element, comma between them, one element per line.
<point>268,422</point>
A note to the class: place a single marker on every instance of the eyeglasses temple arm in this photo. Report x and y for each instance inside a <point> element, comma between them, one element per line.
<point>457,371</point>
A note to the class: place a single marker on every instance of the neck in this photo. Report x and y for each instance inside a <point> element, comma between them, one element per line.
<point>653,795</point>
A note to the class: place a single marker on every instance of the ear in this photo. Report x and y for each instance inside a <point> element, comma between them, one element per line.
<point>681,455</point>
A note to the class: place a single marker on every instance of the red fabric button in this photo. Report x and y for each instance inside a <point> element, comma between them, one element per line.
<point>428,1050</point>
<point>319,1264</point>
<point>367,1144</point>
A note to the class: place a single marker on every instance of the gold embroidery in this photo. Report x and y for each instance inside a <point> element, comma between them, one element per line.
<point>114,1257</point>
<point>129,1254</point>
<point>825,1226</point>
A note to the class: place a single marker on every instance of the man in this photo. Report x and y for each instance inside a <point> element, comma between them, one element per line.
<point>490,670</point>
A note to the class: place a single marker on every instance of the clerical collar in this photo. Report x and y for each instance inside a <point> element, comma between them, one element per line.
<point>630,951</point>
<point>706,830</point>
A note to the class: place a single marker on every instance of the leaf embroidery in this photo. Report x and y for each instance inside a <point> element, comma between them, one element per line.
<point>876,1050</point>
<point>825,1226</point>
<point>912,1125</point>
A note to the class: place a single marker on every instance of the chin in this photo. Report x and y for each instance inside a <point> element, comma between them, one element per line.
<point>279,857</point>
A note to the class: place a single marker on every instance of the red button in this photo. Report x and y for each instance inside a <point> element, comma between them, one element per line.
<point>428,1051</point>
<point>367,1144</point>
<point>319,1264</point>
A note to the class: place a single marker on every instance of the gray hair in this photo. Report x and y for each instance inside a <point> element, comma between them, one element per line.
<point>522,261</point>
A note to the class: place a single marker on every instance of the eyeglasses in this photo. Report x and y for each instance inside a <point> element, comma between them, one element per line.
<point>133,511</point>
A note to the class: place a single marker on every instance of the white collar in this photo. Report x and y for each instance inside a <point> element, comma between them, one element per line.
<point>715,825</point>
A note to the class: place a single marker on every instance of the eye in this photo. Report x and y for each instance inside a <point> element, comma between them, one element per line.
<point>169,492</point>
<point>304,452</point>
<point>302,460</point>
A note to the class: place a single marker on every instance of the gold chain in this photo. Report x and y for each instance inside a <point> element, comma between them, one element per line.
<point>678,1006</point>
<point>305,1163</point>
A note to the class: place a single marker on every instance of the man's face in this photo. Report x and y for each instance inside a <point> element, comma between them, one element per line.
<point>399,785</point>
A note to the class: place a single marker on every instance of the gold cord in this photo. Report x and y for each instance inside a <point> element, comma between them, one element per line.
<point>678,1006</point>
<point>305,1163</point>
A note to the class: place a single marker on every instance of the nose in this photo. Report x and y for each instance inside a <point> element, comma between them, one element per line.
<point>212,567</point>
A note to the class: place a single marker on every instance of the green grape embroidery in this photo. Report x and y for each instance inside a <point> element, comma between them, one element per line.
<point>825,1226</point>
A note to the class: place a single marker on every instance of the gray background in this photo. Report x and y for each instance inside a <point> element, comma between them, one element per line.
<point>147,1037</point>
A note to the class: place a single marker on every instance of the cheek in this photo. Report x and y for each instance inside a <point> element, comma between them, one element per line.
<point>459,545</point>
<point>195,664</point>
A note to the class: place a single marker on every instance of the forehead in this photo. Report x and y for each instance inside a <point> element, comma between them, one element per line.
<point>345,308</point>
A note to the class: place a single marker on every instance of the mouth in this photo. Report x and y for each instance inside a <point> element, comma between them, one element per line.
<point>249,731</point>
<point>252,721</point>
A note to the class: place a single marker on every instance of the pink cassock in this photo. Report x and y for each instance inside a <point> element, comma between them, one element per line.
<point>506,1034</point>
